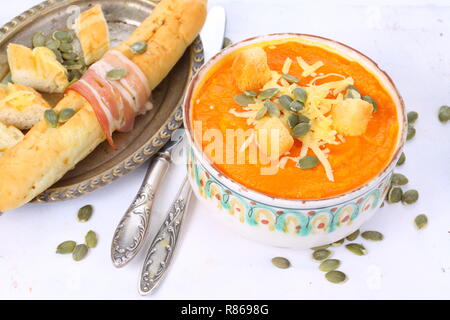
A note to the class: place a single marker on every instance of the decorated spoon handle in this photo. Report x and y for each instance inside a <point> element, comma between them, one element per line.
<point>132,229</point>
<point>161,251</point>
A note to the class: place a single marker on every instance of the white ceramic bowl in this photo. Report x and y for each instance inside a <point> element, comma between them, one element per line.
<point>287,222</point>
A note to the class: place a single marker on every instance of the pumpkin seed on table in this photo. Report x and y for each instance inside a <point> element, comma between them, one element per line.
<point>421,221</point>
<point>300,94</point>
<point>290,78</point>
<point>285,101</point>
<point>38,40</point>
<point>65,114</point>
<point>261,113</point>
<point>51,118</point>
<point>243,100</point>
<point>402,159</point>
<point>321,254</point>
<point>301,129</point>
<point>329,265</point>
<point>308,162</point>
<point>338,243</point>
<point>325,246</point>
<point>410,196</point>
<point>250,93</point>
<point>372,235</point>
<point>268,93</point>
<point>53,44</point>
<point>85,213</point>
<point>412,116</point>
<point>226,42</point>
<point>66,247</point>
<point>80,252</point>
<point>63,36</point>
<point>281,262</point>
<point>116,74</point>
<point>353,236</point>
<point>356,248</point>
<point>91,239</point>
<point>394,195</point>
<point>444,114</point>
<point>399,179</point>
<point>411,132</point>
<point>296,106</point>
<point>272,108</point>
<point>335,276</point>
<point>139,47</point>
<point>371,101</point>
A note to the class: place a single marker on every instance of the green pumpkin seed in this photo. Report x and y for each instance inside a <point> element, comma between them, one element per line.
<point>85,213</point>
<point>65,114</point>
<point>399,179</point>
<point>321,247</point>
<point>402,159</point>
<point>293,120</point>
<point>74,75</point>
<point>421,221</point>
<point>268,93</point>
<point>116,74</point>
<point>285,101</point>
<point>243,100</point>
<point>91,239</point>
<point>353,236</point>
<point>412,117</point>
<point>51,118</point>
<point>372,235</point>
<point>70,56</point>
<point>308,162</point>
<point>300,94</point>
<point>73,66</point>
<point>38,40</point>
<point>272,108</point>
<point>226,42</point>
<point>411,132</point>
<point>320,255</point>
<point>352,93</point>
<point>261,113</point>
<point>301,129</point>
<point>371,101</point>
<point>139,47</point>
<point>80,252</point>
<point>356,248</point>
<point>394,195</point>
<point>410,197</point>
<point>53,44</point>
<point>444,114</point>
<point>66,47</point>
<point>338,243</point>
<point>62,36</point>
<point>281,262</point>
<point>296,106</point>
<point>66,247</point>
<point>303,119</point>
<point>58,56</point>
<point>335,276</point>
<point>290,78</point>
<point>329,265</point>
<point>250,93</point>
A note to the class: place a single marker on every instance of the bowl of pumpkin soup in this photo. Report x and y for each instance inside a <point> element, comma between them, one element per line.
<point>293,138</point>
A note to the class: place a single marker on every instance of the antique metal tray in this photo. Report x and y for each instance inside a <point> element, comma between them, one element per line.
<point>151,131</point>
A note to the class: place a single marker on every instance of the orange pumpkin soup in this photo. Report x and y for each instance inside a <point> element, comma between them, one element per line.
<point>354,159</point>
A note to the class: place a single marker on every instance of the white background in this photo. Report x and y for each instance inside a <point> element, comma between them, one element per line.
<point>411,41</point>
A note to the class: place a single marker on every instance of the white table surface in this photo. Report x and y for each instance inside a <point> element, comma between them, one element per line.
<point>411,41</point>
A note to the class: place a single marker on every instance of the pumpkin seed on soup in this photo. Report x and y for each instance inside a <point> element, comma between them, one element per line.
<point>394,195</point>
<point>296,106</point>
<point>293,120</point>
<point>412,116</point>
<point>444,114</point>
<point>352,93</point>
<point>399,179</point>
<point>335,276</point>
<point>268,93</point>
<point>421,221</point>
<point>353,236</point>
<point>250,93</point>
<point>139,47</point>
<point>85,213</point>
<point>372,235</point>
<point>243,100</point>
<point>320,255</point>
<point>290,78</point>
<point>329,265</point>
<point>51,118</point>
<point>116,74</point>
<point>261,113</point>
<point>303,119</point>
<point>410,197</point>
<point>300,94</point>
<point>402,159</point>
<point>66,247</point>
<point>272,108</point>
<point>356,248</point>
<point>281,262</point>
<point>301,129</point>
<point>53,44</point>
<point>91,239</point>
<point>285,101</point>
<point>80,252</point>
<point>38,40</point>
<point>308,162</point>
<point>411,132</point>
<point>371,101</point>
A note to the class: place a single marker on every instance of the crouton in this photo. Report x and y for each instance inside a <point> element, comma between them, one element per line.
<point>250,69</point>
<point>272,137</point>
<point>351,116</point>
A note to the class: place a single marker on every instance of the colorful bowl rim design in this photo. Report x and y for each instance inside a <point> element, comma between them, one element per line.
<point>289,202</point>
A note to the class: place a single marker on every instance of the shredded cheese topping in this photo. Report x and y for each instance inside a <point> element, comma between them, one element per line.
<point>307,68</point>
